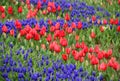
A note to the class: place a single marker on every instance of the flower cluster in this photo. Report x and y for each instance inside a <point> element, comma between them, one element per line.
<point>41,69</point>
<point>44,31</point>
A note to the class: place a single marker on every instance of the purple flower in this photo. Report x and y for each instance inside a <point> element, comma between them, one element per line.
<point>23,69</point>
<point>43,57</point>
<point>117,14</point>
<point>78,79</point>
<point>76,73</point>
<point>81,69</point>
<point>50,70</point>
<point>8,69</point>
<point>5,61</point>
<point>34,77</point>
<point>44,70</point>
<point>5,75</point>
<point>26,56</point>
<point>93,73</point>
<point>23,51</point>
<point>19,63</point>
<point>7,79</point>
<point>92,78</point>
<point>17,52</point>
<point>47,78</point>
<point>101,77</point>
<point>11,45</point>
<point>20,75</point>
<point>40,78</point>
<point>47,62</point>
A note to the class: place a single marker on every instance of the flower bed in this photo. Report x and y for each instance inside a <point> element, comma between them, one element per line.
<point>42,40</point>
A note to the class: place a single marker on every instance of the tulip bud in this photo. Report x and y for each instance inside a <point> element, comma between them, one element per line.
<point>4,35</point>
<point>32,44</point>
<point>37,48</point>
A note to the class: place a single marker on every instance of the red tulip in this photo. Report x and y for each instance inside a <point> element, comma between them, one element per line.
<point>18,24</point>
<point>119,2</point>
<point>104,21</point>
<point>76,57</point>
<point>79,26</point>
<point>92,35</point>
<point>118,28</point>
<point>10,10</point>
<point>3,15</point>
<point>27,2</point>
<point>37,28</point>
<point>82,45</point>
<point>39,5</point>
<point>2,9</point>
<point>112,21</point>
<point>93,18</point>
<point>106,55</point>
<point>89,56</point>
<point>12,32</point>
<point>27,28</point>
<point>23,32</point>
<point>28,15</point>
<point>62,33</point>
<point>110,62</point>
<point>85,49</point>
<point>67,17</point>
<point>29,6</point>
<point>74,52</point>
<point>51,46</point>
<point>58,8</point>
<point>64,57</point>
<point>73,25</point>
<point>100,55</point>
<point>49,9</point>
<point>57,48</point>
<point>57,33</point>
<point>76,37</point>
<point>36,37</point>
<point>116,66</point>
<point>29,36</point>
<point>57,25</point>
<point>33,32</point>
<point>42,32</point>
<point>34,12</point>
<point>4,29</point>
<point>54,8</point>
<point>63,42</point>
<point>44,1</point>
<point>101,28</point>
<point>44,12</point>
<point>109,52</point>
<point>49,22</point>
<point>81,53</point>
<point>116,21</point>
<point>96,49</point>
<point>77,45</point>
<point>49,38</point>
<point>65,25</point>
<point>20,9</point>
<point>91,50</point>
<point>69,30</point>
<point>52,28</point>
<point>113,63</point>
<point>81,59</point>
<point>94,61</point>
<point>103,66</point>
<point>68,50</point>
